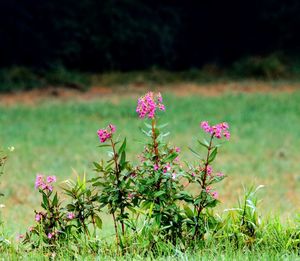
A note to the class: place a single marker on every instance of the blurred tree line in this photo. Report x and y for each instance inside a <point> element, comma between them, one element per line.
<point>95,35</point>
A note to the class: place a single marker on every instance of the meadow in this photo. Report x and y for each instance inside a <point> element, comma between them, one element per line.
<point>59,138</point>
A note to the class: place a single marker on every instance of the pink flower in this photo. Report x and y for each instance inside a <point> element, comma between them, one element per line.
<point>105,134</point>
<point>51,179</point>
<point>193,174</point>
<point>38,217</point>
<point>112,128</point>
<point>46,187</point>
<point>167,168</point>
<point>208,189</point>
<point>39,181</point>
<point>176,160</point>
<point>159,98</point>
<point>30,229</point>
<point>161,107</point>
<point>177,149</point>
<point>215,194</point>
<point>205,126</point>
<point>19,237</point>
<point>220,174</point>
<point>224,125</point>
<point>226,134</point>
<point>173,176</point>
<point>209,170</point>
<point>50,235</point>
<point>155,167</point>
<point>148,104</point>
<point>70,215</point>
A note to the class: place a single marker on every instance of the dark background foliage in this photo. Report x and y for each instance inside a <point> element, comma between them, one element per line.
<point>95,35</point>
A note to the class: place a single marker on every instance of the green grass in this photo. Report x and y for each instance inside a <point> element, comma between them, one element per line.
<point>57,138</point>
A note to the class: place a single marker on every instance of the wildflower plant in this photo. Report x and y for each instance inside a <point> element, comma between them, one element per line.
<point>51,224</point>
<point>159,173</point>
<point>197,219</point>
<point>82,208</point>
<point>114,181</point>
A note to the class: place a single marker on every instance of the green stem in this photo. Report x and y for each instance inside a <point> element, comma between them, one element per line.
<point>200,207</point>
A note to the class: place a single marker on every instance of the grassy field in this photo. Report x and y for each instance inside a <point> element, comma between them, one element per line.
<point>59,138</point>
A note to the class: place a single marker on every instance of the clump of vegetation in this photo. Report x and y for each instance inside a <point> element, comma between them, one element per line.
<point>20,78</point>
<point>265,67</point>
<point>153,211</point>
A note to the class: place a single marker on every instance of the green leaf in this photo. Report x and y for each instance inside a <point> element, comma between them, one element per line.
<point>188,212</point>
<point>159,193</point>
<point>184,195</point>
<point>148,125</point>
<point>151,209</point>
<point>171,157</point>
<point>104,145</point>
<point>213,155</point>
<point>122,160</point>
<point>45,201</point>
<point>123,147</point>
<point>97,166</point>
<point>195,152</point>
<point>162,125</point>
<point>98,221</point>
<point>55,200</point>
<point>147,133</point>
<point>203,144</point>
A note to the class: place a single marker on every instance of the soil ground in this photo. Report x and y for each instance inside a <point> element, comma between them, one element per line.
<point>183,89</point>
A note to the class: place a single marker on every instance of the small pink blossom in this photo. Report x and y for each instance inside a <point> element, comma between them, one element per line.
<point>38,217</point>
<point>30,229</point>
<point>215,194</point>
<point>193,174</point>
<point>50,235</point>
<point>220,174</point>
<point>159,98</point>
<point>39,181</point>
<point>226,134</point>
<point>112,128</point>
<point>51,179</point>
<point>155,167</point>
<point>173,176</point>
<point>161,107</point>
<point>19,237</point>
<point>209,170</point>
<point>167,168</point>
<point>177,149</point>
<point>205,126</point>
<point>70,215</point>
<point>208,189</point>
<point>176,160</point>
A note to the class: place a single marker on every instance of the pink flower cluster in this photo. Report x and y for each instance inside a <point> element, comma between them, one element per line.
<point>40,182</point>
<point>218,130</point>
<point>105,134</point>
<point>148,104</point>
